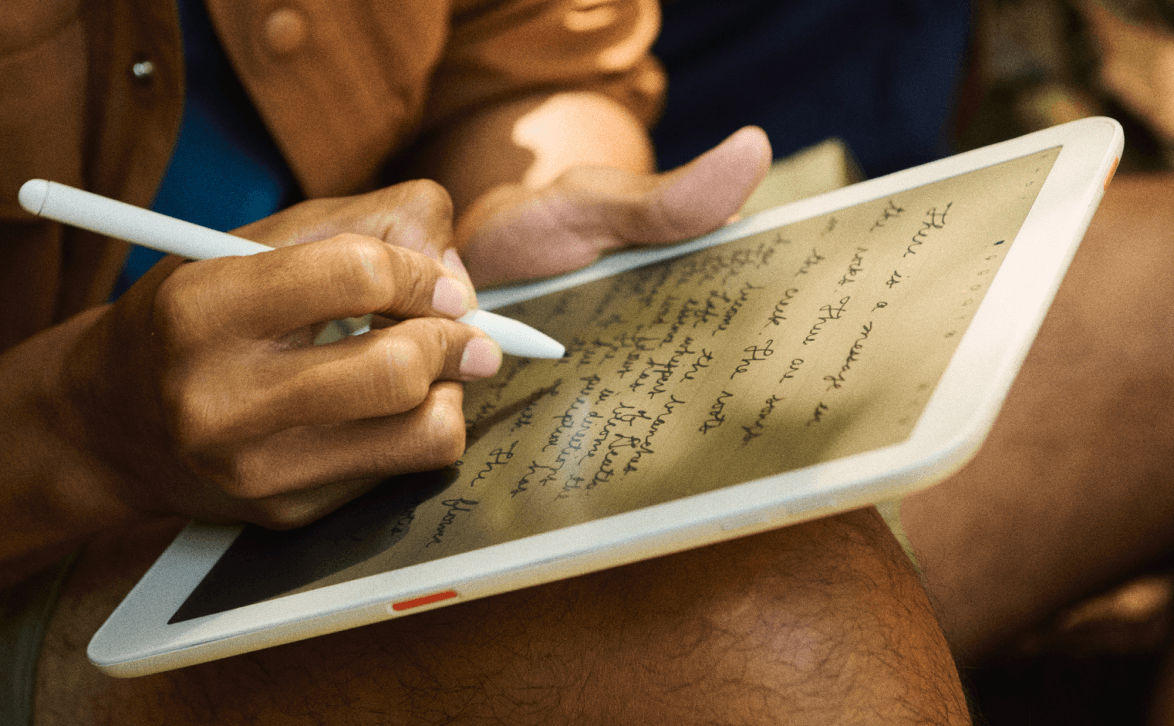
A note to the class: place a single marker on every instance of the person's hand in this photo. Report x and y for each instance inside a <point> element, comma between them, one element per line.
<point>514,232</point>
<point>416,215</point>
<point>199,393</point>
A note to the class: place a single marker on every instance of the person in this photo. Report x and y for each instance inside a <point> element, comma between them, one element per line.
<point>219,429</point>
<point>195,394</point>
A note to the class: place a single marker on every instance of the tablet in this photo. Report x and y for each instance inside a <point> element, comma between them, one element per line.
<point>841,351</point>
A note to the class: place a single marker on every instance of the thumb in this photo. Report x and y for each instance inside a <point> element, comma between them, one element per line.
<point>515,233</point>
<point>627,208</point>
<point>704,194</point>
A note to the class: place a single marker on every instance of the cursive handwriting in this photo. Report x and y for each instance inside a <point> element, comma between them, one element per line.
<point>497,457</point>
<point>756,354</point>
<point>836,380</point>
<point>716,418</point>
<point>454,506</point>
<point>735,306</point>
<point>756,429</point>
<point>777,316</point>
<point>567,420</point>
<point>855,267</point>
<point>891,211</point>
<point>792,369</point>
<point>812,260</point>
<point>645,446</point>
<point>829,312</point>
<point>934,220</point>
<point>700,364</point>
<point>621,414</point>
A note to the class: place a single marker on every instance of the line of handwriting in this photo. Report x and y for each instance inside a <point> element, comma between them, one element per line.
<point>891,211</point>
<point>736,305</point>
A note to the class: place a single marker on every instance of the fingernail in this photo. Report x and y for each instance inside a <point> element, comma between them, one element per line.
<point>481,359</point>
<point>450,297</point>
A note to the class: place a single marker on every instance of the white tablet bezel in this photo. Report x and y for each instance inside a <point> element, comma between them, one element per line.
<point>136,639</point>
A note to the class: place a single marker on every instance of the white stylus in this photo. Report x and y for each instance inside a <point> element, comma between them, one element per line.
<point>159,232</point>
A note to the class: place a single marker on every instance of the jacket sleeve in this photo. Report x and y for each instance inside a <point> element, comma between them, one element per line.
<point>504,50</point>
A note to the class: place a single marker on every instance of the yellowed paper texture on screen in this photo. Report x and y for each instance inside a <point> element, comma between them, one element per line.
<point>792,347</point>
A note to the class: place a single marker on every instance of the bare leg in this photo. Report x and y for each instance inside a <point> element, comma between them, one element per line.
<point>818,623</point>
<point>1074,487</point>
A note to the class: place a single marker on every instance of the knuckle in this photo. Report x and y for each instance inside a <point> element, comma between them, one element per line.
<point>174,316</point>
<point>405,379</point>
<point>430,195</point>
<point>202,411</point>
<point>434,439</point>
<point>362,267</point>
<point>417,214</point>
<point>190,416</point>
<point>445,433</point>
<point>413,202</point>
<point>247,482</point>
<point>416,288</point>
<point>241,479</point>
<point>374,273</point>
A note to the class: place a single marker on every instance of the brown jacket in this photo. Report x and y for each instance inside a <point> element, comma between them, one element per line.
<point>342,87</point>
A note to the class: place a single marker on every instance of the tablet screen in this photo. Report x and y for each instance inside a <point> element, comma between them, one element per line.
<point>795,346</point>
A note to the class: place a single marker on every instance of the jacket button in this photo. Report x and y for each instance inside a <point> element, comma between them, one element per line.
<point>142,70</point>
<point>285,31</point>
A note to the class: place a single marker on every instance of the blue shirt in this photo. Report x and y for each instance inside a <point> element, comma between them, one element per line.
<point>225,171</point>
<point>882,75</point>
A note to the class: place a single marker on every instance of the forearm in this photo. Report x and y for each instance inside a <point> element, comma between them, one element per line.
<point>529,142</point>
<point>52,498</point>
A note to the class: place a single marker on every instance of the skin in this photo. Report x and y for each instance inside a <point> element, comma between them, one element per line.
<point>190,381</point>
<point>733,633</point>
<point>1070,493</point>
<point>1137,67</point>
<point>193,399</point>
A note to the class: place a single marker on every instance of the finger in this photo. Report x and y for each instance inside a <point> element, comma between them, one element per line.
<point>382,373</point>
<point>700,196</point>
<point>416,215</point>
<point>272,293</point>
<point>292,509</point>
<point>304,473</point>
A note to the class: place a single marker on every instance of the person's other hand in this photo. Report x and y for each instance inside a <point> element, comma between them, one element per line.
<point>198,393</point>
<point>514,232</point>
